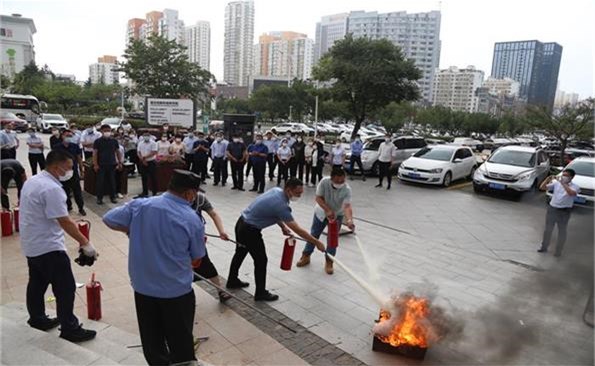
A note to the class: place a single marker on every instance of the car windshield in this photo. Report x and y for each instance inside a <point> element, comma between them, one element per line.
<point>434,154</point>
<point>373,145</point>
<point>516,158</point>
<point>584,168</point>
<point>9,115</point>
<point>53,117</point>
<point>110,121</point>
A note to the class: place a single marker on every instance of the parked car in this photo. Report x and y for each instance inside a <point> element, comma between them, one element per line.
<point>406,146</point>
<point>293,128</point>
<point>19,123</point>
<point>512,168</point>
<point>439,165</point>
<point>113,122</point>
<point>47,121</point>
<point>476,145</point>
<point>584,167</point>
<point>136,115</point>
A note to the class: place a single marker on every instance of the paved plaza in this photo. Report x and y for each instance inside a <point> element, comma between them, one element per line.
<point>474,255</point>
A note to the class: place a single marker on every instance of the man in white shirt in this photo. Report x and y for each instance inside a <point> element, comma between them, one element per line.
<point>558,211</point>
<point>147,153</point>
<point>88,139</point>
<point>36,147</point>
<point>44,219</point>
<point>338,155</point>
<point>386,155</point>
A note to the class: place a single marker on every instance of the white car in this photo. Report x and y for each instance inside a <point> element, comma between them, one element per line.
<point>292,128</point>
<point>406,146</point>
<point>468,141</point>
<point>439,164</point>
<point>512,168</point>
<point>584,167</point>
<point>47,121</point>
<point>113,122</point>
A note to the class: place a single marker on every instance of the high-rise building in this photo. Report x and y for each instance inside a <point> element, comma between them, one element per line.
<point>287,54</point>
<point>105,71</point>
<point>133,30</point>
<point>505,86</point>
<point>417,34</point>
<point>164,23</point>
<point>198,41</point>
<point>456,88</point>
<point>565,99</point>
<point>171,27</point>
<point>16,41</point>
<point>535,65</point>
<point>239,40</point>
<point>151,25</point>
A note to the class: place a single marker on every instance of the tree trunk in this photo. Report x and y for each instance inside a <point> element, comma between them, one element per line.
<point>356,128</point>
<point>563,144</point>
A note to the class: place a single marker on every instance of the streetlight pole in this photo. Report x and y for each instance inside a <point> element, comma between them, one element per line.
<point>122,103</point>
<point>316,111</point>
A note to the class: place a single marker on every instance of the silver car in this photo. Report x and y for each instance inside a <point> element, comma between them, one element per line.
<point>406,146</point>
<point>512,168</point>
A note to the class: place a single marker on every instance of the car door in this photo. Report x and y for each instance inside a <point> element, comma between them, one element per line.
<point>468,162</point>
<point>401,153</point>
<point>458,168</point>
<point>543,165</point>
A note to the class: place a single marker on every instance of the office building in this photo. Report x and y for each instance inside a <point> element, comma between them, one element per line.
<point>330,29</point>
<point>239,41</point>
<point>564,99</point>
<point>16,39</point>
<point>285,54</point>
<point>105,71</point>
<point>505,86</point>
<point>171,27</point>
<point>133,29</point>
<point>198,41</point>
<point>164,23</point>
<point>456,88</point>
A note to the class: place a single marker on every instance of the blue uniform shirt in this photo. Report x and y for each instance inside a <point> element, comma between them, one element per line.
<point>201,153</point>
<point>268,209</point>
<point>272,145</point>
<point>165,236</point>
<point>259,148</point>
<point>357,147</point>
<point>218,149</point>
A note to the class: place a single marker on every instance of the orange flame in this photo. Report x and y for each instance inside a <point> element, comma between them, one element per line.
<point>412,327</point>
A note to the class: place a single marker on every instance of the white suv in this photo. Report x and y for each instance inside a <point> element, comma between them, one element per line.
<point>512,168</point>
<point>406,146</point>
<point>292,128</point>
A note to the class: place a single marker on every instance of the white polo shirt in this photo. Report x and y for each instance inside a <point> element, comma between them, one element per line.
<point>386,152</point>
<point>560,198</point>
<point>145,148</point>
<point>89,138</point>
<point>42,201</point>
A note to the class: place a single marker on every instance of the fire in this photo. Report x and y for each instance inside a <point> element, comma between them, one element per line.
<point>411,326</point>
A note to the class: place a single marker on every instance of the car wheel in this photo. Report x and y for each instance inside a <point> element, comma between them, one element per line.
<point>447,179</point>
<point>274,131</point>
<point>535,186</point>
<point>375,169</point>
<point>472,173</point>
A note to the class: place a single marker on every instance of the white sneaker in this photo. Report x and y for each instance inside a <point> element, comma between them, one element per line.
<point>119,195</point>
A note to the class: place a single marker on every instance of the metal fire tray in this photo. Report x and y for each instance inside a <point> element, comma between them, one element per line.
<point>403,350</point>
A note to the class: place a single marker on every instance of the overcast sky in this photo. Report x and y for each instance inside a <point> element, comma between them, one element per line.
<point>71,34</point>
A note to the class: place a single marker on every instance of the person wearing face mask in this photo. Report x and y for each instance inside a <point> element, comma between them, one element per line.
<point>73,184</point>
<point>166,240</point>
<point>11,169</point>
<point>338,155</point>
<point>258,153</point>
<point>176,149</point>
<point>357,146</point>
<point>126,126</point>
<point>296,168</point>
<point>321,156</point>
<point>147,153</point>
<point>272,145</point>
<point>558,212</point>
<point>188,142</point>
<point>267,210</point>
<point>9,142</point>
<point>36,148</point>
<point>284,156</point>
<point>55,138</point>
<point>333,202</point>
<point>106,159</point>
<point>386,157</point>
<point>43,221</point>
<point>219,156</point>
<point>88,139</point>
<point>201,150</point>
<point>167,132</point>
<point>163,146</point>
<point>76,134</point>
<point>237,155</point>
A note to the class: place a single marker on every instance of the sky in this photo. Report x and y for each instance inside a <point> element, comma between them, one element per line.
<point>71,34</point>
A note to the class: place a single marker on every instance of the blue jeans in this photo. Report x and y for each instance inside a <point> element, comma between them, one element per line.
<point>317,229</point>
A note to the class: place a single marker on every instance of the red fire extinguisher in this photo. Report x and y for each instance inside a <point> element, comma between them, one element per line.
<point>287,257</point>
<point>94,299</point>
<point>84,227</point>
<point>6,222</point>
<point>332,237</point>
<point>16,219</point>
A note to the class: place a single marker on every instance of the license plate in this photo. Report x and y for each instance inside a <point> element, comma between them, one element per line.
<point>414,175</point>
<point>578,199</point>
<point>498,186</point>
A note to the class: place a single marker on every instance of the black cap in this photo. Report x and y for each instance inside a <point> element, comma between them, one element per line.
<point>186,179</point>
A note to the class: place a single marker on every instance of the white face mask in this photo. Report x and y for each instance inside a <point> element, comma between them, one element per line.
<point>66,176</point>
<point>299,139</point>
<point>165,128</point>
<point>294,198</point>
<point>236,140</point>
<point>338,186</point>
<point>178,140</point>
<point>55,133</point>
<point>107,134</point>
<point>258,142</point>
<point>284,144</point>
<point>219,139</point>
<point>147,138</point>
<point>164,139</point>
<point>565,179</point>
<point>386,140</point>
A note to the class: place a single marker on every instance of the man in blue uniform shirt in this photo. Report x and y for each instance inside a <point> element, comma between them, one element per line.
<point>258,153</point>
<point>166,241</point>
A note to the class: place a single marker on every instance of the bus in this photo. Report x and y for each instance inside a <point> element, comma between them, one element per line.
<point>26,107</point>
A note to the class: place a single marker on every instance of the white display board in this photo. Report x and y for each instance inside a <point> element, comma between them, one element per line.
<point>176,112</point>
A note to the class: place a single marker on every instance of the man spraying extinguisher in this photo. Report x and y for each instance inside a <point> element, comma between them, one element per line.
<point>333,205</point>
<point>43,221</point>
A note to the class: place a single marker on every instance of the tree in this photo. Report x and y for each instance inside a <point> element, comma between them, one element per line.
<point>571,122</point>
<point>395,115</point>
<point>367,74</point>
<point>512,126</point>
<point>160,68</point>
<point>30,77</point>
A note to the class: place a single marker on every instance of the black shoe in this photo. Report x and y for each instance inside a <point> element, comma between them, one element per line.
<point>100,202</point>
<point>216,184</point>
<point>253,190</point>
<point>44,325</point>
<point>233,188</point>
<point>241,189</point>
<point>82,212</point>
<point>267,296</point>
<point>378,186</point>
<point>364,179</point>
<point>141,196</point>
<point>222,184</point>
<point>113,200</point>
<point>541,250</point>
<point>223,297</point>
<point>79,335</point>
<point>557,255</point>
<point>236,284</point>
<point>387,188</point>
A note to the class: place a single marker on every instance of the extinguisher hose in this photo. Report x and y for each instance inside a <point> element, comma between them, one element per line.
<point>231,241</point>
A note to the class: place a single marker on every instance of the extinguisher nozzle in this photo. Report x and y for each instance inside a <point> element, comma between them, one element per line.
<point>84,260</point>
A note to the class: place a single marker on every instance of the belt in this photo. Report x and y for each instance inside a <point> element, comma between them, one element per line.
<point>561,208</point>
<point>243,222</point>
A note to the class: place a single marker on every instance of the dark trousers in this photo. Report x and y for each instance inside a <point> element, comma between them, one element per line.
<point>272,161</point>
<point>73,186</point>
<point>560,217</point>
<point>106,181</point>
<point>356,159</point>
<point>199,167</point>
<point>317,172</point>
<point>165,327</point>
<point>132,156</point>
<point>5,181</point>
<point>248,168</point>
<point>88,154</point>
<point>259,175</point>
<point>237,174</point>
<point>296,169</point>
<point>220,167</point>
<point>189,159</point>
<point>35,160</point>
<point>282,174</point>
<point>251,238</point>
<point>8,153</point>
<point>51,268</point>
<point>147,172</point>
<point>384,169</point>
<point>308,170</point>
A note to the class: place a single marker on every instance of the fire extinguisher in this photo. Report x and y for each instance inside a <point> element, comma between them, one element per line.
<point>84,227</point>
<point>332,237</point>
<point>94,299</point>
<point>287,257</point>
<point>6,222</point>
<point>16,219</point>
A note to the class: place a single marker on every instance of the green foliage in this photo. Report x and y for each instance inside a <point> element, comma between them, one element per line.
<point>367,75</point>
<point>29,78</point>
<point>160,68</point>
<point>395,115</point>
